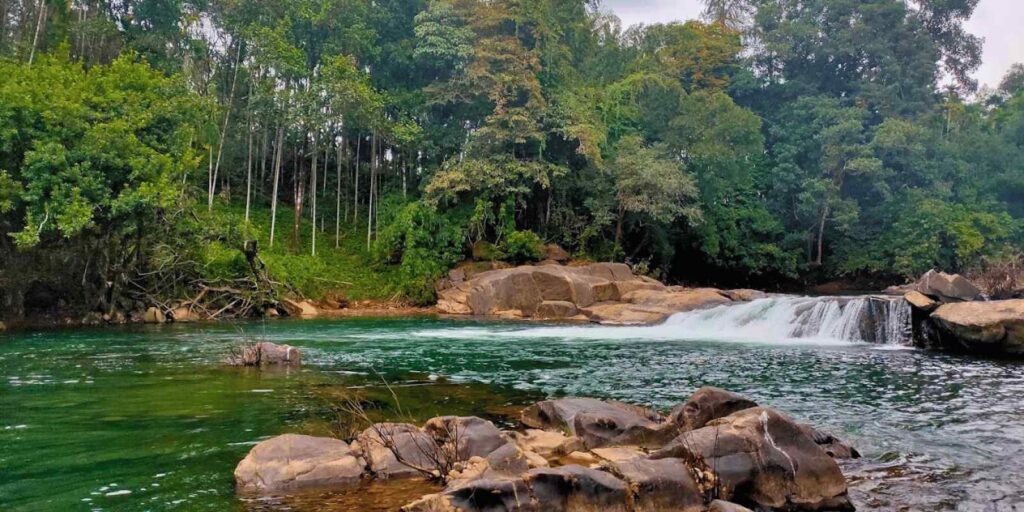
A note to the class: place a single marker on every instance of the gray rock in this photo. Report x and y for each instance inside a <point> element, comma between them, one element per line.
<point>947,287</point>
<point>706,404</point>
<point>764,458</point>
<point>292,461</point>
<point>599,423</point>
<point>663,485</point>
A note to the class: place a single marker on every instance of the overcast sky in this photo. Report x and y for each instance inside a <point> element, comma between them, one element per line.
<point>1000,22</point>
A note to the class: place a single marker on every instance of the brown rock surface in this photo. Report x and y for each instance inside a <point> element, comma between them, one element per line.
<point>292,461</point>
<point>995,327</point>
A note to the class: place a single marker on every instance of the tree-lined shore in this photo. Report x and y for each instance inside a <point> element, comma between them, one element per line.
<point>368,147</point>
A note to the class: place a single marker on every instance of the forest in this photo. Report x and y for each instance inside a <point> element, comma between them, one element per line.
<point>369,146</point>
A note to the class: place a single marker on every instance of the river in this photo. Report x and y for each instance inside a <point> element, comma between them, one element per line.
<point>147,418</point>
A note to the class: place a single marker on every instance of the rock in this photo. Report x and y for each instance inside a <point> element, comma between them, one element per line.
<point>618,453</point>
<point>476,437</point>
<point>154,315</point>
<point>744,295</point>
<point>3,327</point>
<point>299,308</point>
<point>575,488</point>
<point>556,309</point>
<point>600,423</point>
<point>706,404</point>
<point>271,313</point>
<point>292,461</point>
<point>947,287</point>
<point>625,287</point>
<point>677,301</point>
<point>555,253</point>
<point>184,314</point>
<point>486,495</point>
<point>265,353</point>
<point>580,459</point>
<point>417,449</point>
<point>833,446</point>
<point>547,444</point>
<point>663,485</point>
<point>994,328</point>
<point>764,458</point>
<point>920,301</point>
<point>726,506</point>
<point>615,313</point>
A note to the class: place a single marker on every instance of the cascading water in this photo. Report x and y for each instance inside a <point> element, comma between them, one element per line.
<point>856,319</point>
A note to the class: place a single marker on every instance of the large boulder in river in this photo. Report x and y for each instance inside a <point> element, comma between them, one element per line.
<point>599,423</point>
<point>706,404</point>
<point>947,287</point>
<point>995,327</point>
<point>660,485</point>
<point>265,353</point>
<point>299,308</point>
<point>473,437</point>
<point>602,292</point>
<point>290,462</point>
<point>764,459</point>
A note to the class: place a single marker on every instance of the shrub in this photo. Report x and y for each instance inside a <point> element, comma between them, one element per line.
<point>523,246</point>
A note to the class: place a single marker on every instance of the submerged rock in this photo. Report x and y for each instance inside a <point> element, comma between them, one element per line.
<point>763,458</point>
<point>290,462</point>
<point>265,353</point>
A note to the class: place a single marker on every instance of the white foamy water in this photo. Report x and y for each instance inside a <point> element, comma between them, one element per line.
<point>781,319</point>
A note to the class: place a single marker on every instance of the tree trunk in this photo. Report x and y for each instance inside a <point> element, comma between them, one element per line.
<point>371,208</point>
<point>355,190</point>
<point>821,235</point>
<point>224,130</point>
<point>299,198</point>
<point>337,206</point>
<point>39,28</point>
<point>278,152</point>
<point>312,195</point>
<point>248,177</point>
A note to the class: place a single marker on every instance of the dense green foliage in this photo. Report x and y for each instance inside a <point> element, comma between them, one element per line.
<point>773,141</point>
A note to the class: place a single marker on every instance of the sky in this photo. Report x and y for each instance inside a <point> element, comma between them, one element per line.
<point>1000,22</point>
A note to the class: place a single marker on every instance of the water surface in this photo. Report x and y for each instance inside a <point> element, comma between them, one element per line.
<point>148,419</point>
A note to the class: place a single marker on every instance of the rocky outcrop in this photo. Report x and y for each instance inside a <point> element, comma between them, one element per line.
<point>990,328</point>
<point>920,301</point>
<point>764,458</point>
<point>290,462</point>
<point>706,404</point>
<point>606,293</point>
<point>599,423</point>
<point>154,315</point>
<point>583,454</point>
<point>947,287</point>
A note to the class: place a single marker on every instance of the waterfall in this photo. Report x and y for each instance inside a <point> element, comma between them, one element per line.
<point>856,319</point>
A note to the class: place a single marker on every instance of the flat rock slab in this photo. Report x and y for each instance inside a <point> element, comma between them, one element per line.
<point>291,461</point>
<point>995,327</point>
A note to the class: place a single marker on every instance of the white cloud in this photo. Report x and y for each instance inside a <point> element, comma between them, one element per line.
<point>1000,22</point>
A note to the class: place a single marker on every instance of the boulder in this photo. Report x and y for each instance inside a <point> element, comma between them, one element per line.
<point>555,253</point>
<point>556,309</point>
<point>744,295</point>
<point>615,313</point>
<point>764,459</point>
<point>154,315</point>
<point>662,485</point>
<point>299,308</point>
<point>677,301</point>
<point>920,301</point>
<point>600,423</point>
<point>576,488</point>
<point>398,450</point>
<point>947,287</point>
<point>292,461</point>
<point>706,404</point>
<point>475,437</point>
<point>184,314</point>
<point>726,506</point>
<point>625,287</point>
<point>833,446</point>
<point>618,453</point>
<point>995,328</point>
<point>265,353</point>
<point>548,444</point>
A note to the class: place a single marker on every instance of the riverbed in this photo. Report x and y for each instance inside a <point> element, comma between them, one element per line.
<point>147,418</point>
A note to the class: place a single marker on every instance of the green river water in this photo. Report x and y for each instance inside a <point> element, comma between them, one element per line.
<point>147,418</point>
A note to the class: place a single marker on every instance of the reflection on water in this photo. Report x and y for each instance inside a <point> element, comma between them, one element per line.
<point>146,419</point>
